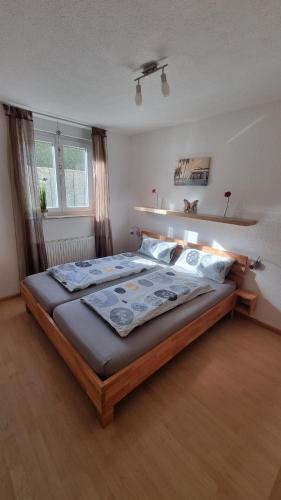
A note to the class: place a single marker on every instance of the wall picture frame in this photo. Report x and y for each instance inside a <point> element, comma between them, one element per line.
<point>192,171</point>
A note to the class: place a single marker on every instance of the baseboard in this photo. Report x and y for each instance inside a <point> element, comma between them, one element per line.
<point>9,297</point>
<point>260,323</point>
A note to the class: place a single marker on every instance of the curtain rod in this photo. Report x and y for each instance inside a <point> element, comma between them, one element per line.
<point>39,114</point>
<point>59,119</point>
<point>44,131</point>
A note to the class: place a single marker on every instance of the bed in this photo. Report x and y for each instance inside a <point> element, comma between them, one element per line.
<point>110,369</point>
<point>107,353</point>
<point>50,293</point>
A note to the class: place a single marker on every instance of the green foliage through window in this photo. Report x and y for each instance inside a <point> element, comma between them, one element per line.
<point>44,154</point>
<point>74,158</point>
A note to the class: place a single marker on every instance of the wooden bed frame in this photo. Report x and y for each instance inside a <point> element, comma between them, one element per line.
<point>106,393</point>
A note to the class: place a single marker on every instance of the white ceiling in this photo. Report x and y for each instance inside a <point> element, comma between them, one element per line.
<point>76,58</point>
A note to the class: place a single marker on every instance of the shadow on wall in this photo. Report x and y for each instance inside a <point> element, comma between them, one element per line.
<point>264,239</point>
<point>268,309</point>
<point>245,129</point>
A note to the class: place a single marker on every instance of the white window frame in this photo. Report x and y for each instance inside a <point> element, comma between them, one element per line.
<point>59,142</point>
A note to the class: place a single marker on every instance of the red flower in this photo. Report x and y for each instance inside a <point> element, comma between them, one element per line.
<point>153,190</point>
<point>227,194</point>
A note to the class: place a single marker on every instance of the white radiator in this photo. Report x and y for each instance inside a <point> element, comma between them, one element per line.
<point>70,250</point>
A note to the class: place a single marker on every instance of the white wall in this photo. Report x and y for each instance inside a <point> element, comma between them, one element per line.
<point>8,255</point>
<point>68,227</point>
<point>118,158</point>
<point>72,227</point>
<point>245,147</point>
<point>246,153</point>
<point>118,162</point>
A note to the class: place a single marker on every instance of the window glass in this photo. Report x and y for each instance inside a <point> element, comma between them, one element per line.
<point>75,165</point>
<point>46,169</point>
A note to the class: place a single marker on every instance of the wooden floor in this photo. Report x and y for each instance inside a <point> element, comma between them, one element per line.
<point>206,426</point>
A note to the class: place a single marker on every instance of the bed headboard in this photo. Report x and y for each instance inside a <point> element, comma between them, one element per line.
<point>238,269</point>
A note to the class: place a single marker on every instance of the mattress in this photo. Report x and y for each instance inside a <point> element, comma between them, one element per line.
<point>106,352</point>
<point>50,293</point>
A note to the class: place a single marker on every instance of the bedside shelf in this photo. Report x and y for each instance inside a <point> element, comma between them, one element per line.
<point>213,218</point>
<point>245,301</point>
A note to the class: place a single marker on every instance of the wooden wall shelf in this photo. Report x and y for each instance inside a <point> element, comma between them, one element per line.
<point>214,218</point>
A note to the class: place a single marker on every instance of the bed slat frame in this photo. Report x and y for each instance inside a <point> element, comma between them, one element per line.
<point>105,394</point>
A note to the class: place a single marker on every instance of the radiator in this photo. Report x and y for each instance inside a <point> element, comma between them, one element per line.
<point>70,250</point>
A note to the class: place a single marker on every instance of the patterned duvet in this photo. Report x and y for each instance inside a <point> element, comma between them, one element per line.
<point>76,276</point>
<point>136,301</point>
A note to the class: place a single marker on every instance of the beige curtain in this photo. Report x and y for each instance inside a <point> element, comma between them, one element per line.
<point>27,215</point>
<point>102,225</point>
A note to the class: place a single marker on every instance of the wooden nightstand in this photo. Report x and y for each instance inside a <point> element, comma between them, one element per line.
<point>245,301</point>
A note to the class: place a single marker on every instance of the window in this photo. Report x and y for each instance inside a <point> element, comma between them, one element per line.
<point>46,169</point>
<point>64,166</point>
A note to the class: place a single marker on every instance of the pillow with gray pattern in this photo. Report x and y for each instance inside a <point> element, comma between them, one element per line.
<point>160,250</point>
<point>204,265</point>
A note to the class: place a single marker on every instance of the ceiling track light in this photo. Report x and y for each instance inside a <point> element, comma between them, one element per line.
<point>148,69</point>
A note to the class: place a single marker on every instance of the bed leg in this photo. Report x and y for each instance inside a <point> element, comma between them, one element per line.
<point>106,416</point>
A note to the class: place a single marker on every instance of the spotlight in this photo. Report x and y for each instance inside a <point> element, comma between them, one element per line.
<point>164,84</point>
<point>138,98</point>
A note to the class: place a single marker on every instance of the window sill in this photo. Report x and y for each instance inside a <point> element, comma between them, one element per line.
<point>68,216</point>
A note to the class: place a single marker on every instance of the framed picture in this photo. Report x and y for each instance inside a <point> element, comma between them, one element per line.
<point>192,171</point>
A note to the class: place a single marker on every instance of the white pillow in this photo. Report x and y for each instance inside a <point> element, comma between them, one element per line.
<point>204,265</point>
<point>160,250</point>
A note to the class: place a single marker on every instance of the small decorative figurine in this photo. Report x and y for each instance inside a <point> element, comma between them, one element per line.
<point>190,207</point>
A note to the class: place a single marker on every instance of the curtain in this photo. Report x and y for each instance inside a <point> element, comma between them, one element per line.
<point>31,249</point>
<point>102,225</point>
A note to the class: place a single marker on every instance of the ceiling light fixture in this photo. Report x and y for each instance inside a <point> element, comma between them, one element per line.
<point>148,69</point>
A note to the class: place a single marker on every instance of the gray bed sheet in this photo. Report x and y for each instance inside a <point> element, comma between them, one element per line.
<point>50,293</point>
<point>105,351</point>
